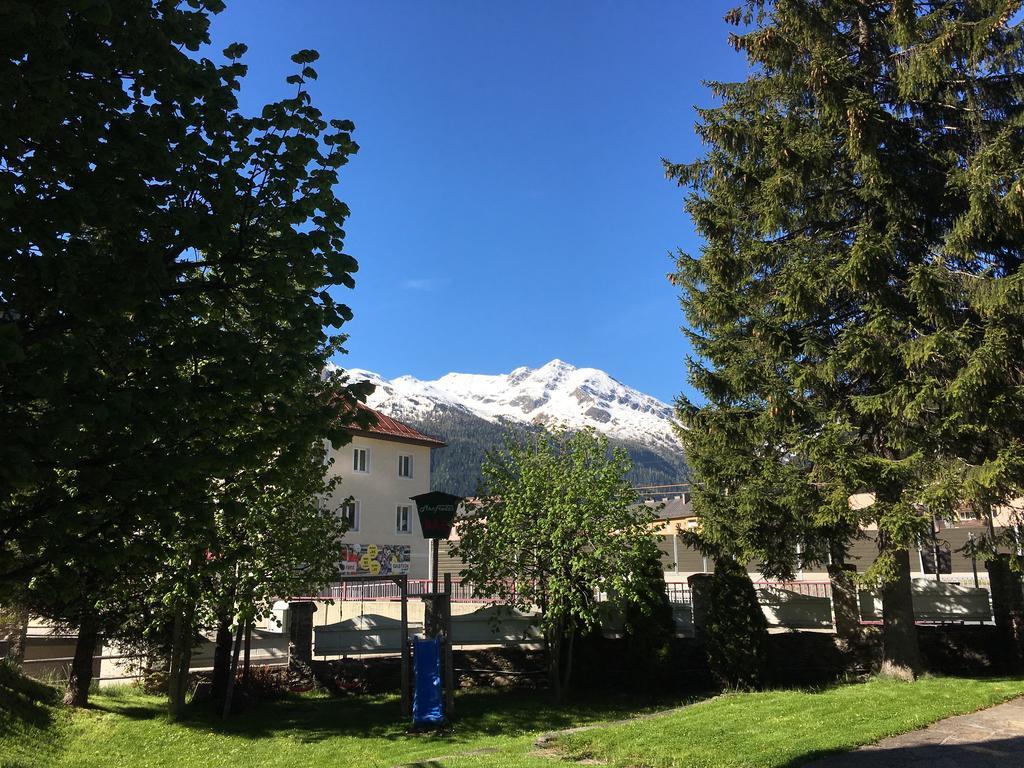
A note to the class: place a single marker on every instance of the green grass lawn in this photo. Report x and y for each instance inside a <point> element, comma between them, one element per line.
<point>125,727</point>
<point>493,729</point>
<point>786,728</point>
<point>31,721</point>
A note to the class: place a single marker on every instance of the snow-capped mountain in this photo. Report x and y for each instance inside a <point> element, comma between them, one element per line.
<point>556,393</point>
<point>471,411</point>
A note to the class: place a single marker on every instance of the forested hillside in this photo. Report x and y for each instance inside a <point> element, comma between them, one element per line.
<point>456,468</point>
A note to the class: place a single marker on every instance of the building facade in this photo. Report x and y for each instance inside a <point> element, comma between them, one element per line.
<point>380,469</point>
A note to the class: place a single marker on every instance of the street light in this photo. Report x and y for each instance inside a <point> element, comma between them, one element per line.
<point>436,510</point>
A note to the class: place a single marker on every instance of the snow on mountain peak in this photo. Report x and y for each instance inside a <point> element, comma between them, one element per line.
<point>555,393</point>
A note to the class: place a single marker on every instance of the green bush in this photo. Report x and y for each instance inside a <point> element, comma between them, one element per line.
<point>736,631</point>
<point>649,629</point>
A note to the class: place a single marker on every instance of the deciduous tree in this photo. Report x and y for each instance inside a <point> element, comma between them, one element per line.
<point>166,305</point>
<point>555,526</point>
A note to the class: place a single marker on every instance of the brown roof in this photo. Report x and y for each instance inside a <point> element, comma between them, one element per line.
<point>388,428</point>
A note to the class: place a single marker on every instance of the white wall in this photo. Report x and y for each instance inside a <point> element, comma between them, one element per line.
<point>380,490</point>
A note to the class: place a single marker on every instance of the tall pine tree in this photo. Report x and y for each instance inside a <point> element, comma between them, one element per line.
<point>848,187</point>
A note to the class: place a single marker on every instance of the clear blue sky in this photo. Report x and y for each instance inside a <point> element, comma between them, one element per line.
<point>508,201</point>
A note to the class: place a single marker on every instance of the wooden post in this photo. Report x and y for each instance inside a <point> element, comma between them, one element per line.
<point>974,558</point>
<point>403,586</point>
<point>435,545</point>
<point>449,664</point>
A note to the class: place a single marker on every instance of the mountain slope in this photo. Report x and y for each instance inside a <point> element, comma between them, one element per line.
<point>471,412</point>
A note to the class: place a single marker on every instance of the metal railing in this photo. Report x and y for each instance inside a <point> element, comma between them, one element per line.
<point>663,492</point>
<point>462,591</point>
<point>809,588</point>
<point>678,592</point>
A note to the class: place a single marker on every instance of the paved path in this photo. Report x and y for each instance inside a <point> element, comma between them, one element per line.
<point>992,738</point>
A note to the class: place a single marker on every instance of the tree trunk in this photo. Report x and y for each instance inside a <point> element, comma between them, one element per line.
<point>1007,609</point>
<point>80,676</point>
<point>221,659</point>
<point>554,653</point>
<point>181,657</point>
<point>229,693</point>
<point>248,648</point>
<point>901,656</point>
<point>567,664</point>
<point>173,678</point>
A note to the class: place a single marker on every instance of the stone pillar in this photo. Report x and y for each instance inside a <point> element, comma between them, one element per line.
<point>845,607</point>
<point>300,631</point>
<point>1007,606</point>
<point>700,601</point>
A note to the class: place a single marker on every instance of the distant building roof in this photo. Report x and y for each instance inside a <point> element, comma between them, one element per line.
<point>387,428</point>
<point>673,508</point>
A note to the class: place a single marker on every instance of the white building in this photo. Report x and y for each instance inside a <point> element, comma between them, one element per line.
<point>381,469</point>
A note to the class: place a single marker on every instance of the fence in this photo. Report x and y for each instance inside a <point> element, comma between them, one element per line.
<point>462,591</point>
<point>678,592</point>
<point>658,493</point>
<point>48,656</point>
<point>790,604</point>
<point>808,588</point>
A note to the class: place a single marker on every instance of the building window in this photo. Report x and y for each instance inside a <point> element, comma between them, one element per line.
<point>405,466</point>
<point>403,519</point>
<point>360,460</point>
<point>350,513</point>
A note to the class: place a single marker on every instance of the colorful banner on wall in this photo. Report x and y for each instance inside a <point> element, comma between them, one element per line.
<point>374,560</point>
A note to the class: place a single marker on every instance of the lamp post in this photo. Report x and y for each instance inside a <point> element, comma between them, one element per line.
<point>436,511</point>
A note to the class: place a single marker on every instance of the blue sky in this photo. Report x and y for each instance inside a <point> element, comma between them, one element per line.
<point>508,201</point>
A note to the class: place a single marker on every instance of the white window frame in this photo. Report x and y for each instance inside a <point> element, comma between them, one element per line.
<point>355,460</point>
<point>410,463</point>
<point>408,519</point>
<point>356,513</point>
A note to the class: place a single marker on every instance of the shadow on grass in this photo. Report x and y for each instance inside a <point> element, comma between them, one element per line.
<point>477,714</point>
<point>26,700</point>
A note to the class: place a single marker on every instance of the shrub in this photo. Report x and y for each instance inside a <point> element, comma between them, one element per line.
<point>265,683</point>
<point>736,631</point>
<point>649,628</point>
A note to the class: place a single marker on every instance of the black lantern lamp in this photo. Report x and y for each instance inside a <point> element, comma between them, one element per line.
<point>436,511</point>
